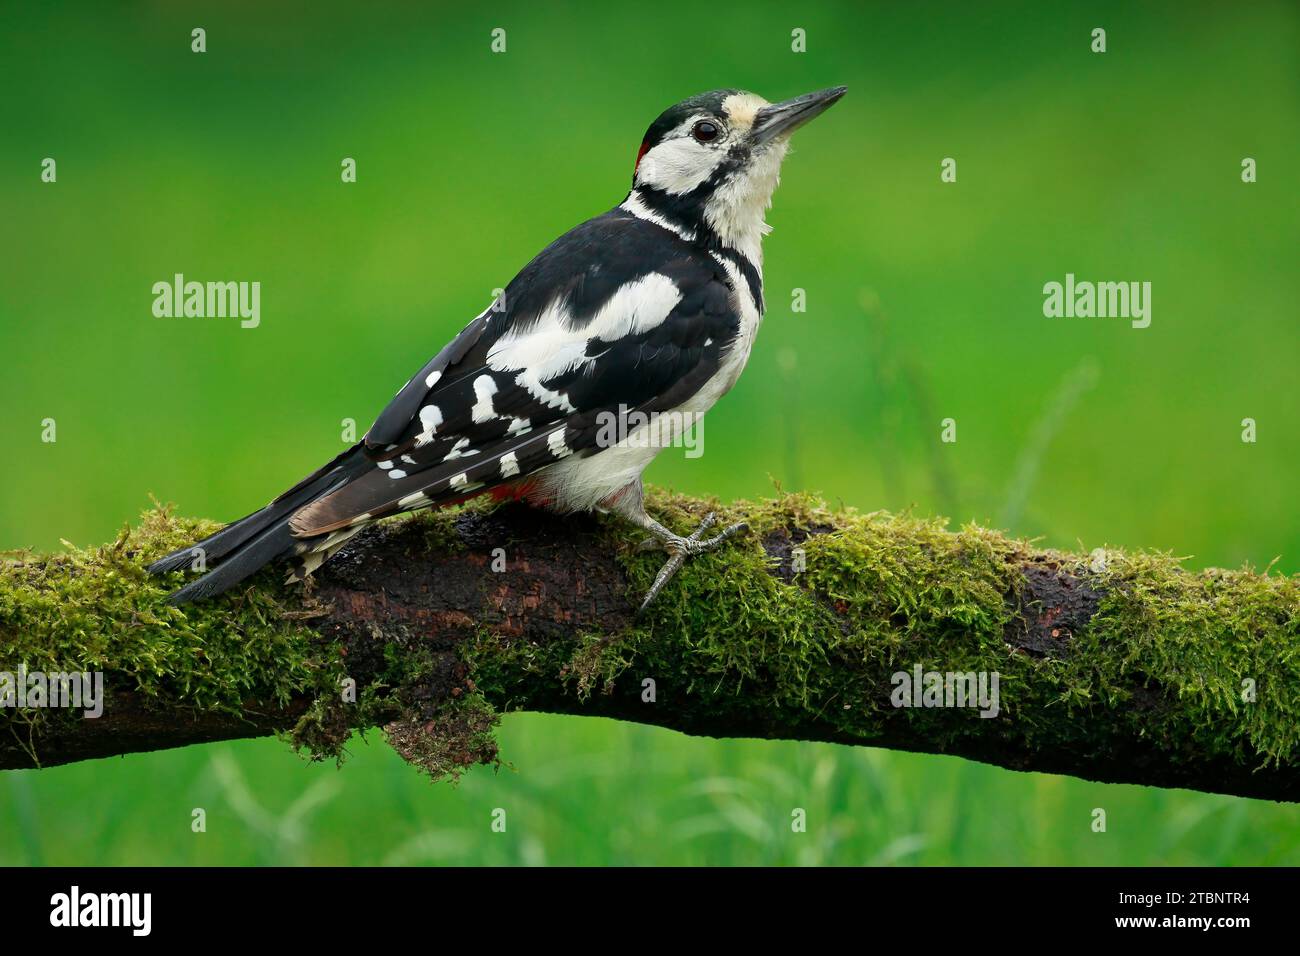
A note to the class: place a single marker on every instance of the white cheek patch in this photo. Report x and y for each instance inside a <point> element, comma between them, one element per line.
<point>678,165</point>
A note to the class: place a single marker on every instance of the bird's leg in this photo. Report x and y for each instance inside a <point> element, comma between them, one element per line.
<point>631,504</point>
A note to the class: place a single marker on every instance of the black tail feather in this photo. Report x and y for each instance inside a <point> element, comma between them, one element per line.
<point>252,542</point>
<point>217,546</point>
<point>275,542</point>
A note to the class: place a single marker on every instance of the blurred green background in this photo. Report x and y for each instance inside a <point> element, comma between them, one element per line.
<point>924,303</point>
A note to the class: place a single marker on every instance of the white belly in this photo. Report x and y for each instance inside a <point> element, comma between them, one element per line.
<point>581,484</point>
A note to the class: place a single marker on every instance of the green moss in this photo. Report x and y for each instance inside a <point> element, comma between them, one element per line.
<point>96,609</point>
<point>327,725</point>
<point>1224,644</point>
<point>596,663</point>
<point>880,593</point>
<point>455,737</point>
<point>737,641</point>
<point>433,713</point>
<point>1164,657</point>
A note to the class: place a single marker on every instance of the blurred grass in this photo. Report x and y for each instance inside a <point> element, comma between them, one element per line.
<point>592,792</point>
<point>924,302</point>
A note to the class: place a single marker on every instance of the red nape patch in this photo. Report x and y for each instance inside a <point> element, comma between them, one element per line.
<point>645,145</point>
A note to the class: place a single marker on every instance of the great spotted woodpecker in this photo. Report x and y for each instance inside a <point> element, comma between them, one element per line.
<point>645,314</point>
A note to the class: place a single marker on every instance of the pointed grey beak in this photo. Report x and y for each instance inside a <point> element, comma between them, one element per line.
<point>784,118</point>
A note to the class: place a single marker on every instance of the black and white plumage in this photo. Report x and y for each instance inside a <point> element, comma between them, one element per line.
<point>649,308</point>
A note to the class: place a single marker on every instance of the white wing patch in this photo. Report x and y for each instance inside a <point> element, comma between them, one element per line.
<point>555,442</point>
<point>547,342</point>
<point>460,450</point>
<point>430,419</point>
<point>556,344</point>
<point>637,307</point>
<point>531,380</point>
<point>484,388</point>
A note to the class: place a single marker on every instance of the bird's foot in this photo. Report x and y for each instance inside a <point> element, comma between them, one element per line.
<point>680,548</point>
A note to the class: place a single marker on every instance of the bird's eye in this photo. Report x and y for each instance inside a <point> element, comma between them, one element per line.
<point>705,132</point>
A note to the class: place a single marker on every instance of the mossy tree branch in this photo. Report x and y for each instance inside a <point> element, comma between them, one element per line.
<point>1117,667</point>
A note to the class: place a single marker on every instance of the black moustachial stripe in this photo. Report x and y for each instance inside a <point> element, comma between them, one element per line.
<point>686,212</point>
<point>750,271</point>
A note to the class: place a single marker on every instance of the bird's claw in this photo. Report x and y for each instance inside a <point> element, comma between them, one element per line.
<point>680,548</point>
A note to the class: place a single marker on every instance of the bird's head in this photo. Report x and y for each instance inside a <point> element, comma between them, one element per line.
<point>710,164</point>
